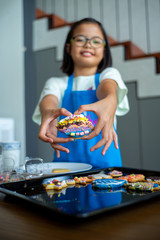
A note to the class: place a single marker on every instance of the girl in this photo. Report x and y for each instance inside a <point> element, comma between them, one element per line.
<point>93,87</point>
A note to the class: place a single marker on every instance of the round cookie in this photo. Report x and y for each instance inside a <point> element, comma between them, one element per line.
<point>115,173</point>
<point>133,178</point>
<point>75,126</point>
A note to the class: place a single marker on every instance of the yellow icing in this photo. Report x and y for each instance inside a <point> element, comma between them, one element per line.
<point>72,134</point>
<point>64,122</point>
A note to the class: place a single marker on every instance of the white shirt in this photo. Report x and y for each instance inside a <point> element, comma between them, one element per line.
<point>57,86</point>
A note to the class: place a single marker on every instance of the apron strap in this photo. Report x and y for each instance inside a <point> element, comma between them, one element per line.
<point>97,80</point>
<point>70,83</point>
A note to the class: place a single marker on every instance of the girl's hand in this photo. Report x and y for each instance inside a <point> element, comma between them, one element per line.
<point>105,110</point>
<point>48,130</point>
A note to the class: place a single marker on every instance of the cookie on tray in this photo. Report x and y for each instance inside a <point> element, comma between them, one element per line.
<point>70,182</point>
<point>108,183</point>
<point>75,126</point>
<point>143,186</point>
<point>99,176</point>
<point>82,180</point>
<point>153,179</point>
<point>133,178</point>
<point>115,173</point>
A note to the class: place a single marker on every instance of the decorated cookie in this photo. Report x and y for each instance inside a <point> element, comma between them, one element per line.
<point>143,186</point>
<point>49,182</point>
<point>153,179</point>
<point>115,173</point>
<point>99,176</point>
<point>123,178</point>
<point>133,178</point>
<point>95,176</point>
<point>108,183</point>
<point>75,126</point>
<point>70,182</point>
<point>82,180</point>
<point>136,178</point>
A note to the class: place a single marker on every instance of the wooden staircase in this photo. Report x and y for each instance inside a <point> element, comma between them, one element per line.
<point>133,64</point>
<point>131,50</point>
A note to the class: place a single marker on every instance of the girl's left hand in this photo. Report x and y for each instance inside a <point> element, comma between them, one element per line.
<point>105,111</point>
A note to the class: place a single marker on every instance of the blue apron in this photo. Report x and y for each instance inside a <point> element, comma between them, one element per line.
<point>80,149</point>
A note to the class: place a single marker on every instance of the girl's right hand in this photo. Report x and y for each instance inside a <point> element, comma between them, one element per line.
<point>48,130</point>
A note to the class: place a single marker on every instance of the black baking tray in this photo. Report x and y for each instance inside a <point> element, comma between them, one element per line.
<point>77,202</point>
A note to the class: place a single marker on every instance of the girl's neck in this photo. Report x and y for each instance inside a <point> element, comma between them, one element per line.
<point>84,71</point>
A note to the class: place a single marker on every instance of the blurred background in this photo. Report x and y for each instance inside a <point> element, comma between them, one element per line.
<point>31,45</point>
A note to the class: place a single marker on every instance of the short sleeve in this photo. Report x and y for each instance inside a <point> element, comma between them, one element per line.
<point>53,86</point>
<point>123,105</point>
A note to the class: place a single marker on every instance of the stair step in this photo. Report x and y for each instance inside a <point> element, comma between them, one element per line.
<point>141,70</point>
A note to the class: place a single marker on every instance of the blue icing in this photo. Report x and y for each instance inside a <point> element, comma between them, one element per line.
<point>156,185</point>
<point>108,183</point>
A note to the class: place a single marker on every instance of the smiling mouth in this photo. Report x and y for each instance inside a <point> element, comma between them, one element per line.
<point>87,54</point>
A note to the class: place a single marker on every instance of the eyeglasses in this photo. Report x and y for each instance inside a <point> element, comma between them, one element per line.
<point>81,41</point>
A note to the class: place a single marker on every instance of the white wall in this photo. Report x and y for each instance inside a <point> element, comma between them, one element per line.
<point>12,98</point>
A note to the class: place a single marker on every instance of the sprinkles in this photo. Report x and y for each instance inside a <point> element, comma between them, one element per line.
<point>143,186</point>
<point>75,126</point>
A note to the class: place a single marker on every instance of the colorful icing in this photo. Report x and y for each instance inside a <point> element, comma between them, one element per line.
<point>73,119</point>
<point>75,126</point>
<point>101,181</point>
<point>115,173</point>
<point>100,176</point>
<point>133,177</point>
<point>143,186</point>
<point>70,181</point>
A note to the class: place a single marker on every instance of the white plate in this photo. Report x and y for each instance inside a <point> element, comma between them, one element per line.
<point>74,167</point>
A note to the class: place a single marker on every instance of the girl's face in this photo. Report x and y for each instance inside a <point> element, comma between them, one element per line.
<point>87,56</point>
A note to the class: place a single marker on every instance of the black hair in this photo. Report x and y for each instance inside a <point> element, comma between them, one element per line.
<point>67,64</point>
